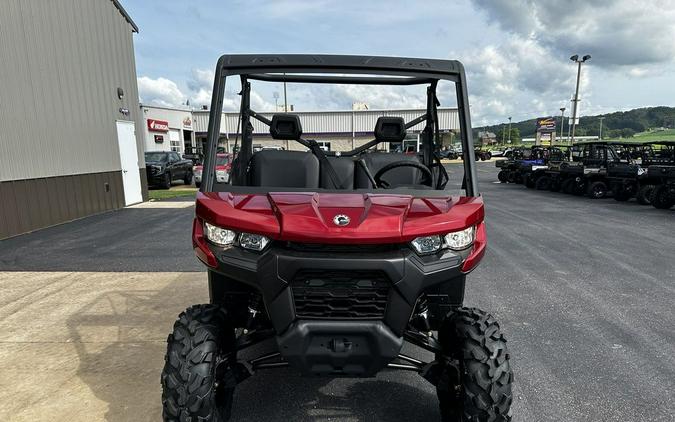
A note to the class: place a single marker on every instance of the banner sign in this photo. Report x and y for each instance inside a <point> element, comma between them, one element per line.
<point>546,124</point>
<point>158,125</point>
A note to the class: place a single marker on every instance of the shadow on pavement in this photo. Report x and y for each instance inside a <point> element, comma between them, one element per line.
<point>120,342</point>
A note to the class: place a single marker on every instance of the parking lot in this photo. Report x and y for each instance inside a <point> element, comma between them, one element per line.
<point>584,291</point>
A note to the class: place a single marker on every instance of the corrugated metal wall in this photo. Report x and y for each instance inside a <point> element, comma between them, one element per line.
<point>332,121</point>
<point>61,63</point>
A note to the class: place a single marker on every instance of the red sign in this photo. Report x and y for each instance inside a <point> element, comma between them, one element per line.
<point>159,139</point>
<point>158,125</point>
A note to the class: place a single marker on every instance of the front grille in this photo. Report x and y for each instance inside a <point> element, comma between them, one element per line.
<point>340,294</point>
<point>340,248</point>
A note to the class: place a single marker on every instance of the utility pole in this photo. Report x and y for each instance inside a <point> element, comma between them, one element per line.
<point>575,108</point>
<point>601,119</point>
<point>562,123</point>
<point>276,101</point>
<point>509,130</point>
<point>503,134</point>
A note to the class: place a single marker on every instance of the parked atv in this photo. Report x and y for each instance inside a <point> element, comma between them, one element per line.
<point>632,179</point>
<point>663,194</point>
<point>338,258</point>
<point>586,173</point>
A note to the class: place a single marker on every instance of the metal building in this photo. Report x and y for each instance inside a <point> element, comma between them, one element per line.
<point>343,130</point>
<point>69,112</point>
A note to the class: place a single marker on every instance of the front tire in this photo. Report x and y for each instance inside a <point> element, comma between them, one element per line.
<point>188,178</point>
<point>473,338</point>
<point>166,182</point>
<point>644,193</point>
<point>660,198</point>
<point>597,190</point>
<point>202,341</point>
<point>502,176</point>
<point>543,183</point>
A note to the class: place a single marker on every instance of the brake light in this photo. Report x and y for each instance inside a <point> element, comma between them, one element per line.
<point>478,249</point>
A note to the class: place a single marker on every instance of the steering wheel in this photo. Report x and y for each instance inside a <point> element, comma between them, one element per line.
<point>426,173</point>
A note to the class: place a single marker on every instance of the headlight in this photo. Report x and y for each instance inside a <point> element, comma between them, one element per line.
<point>457,241</point>
<point>426,244</point>
<point>461,239</point>
<point>254,242</point>
<point>219,236</point>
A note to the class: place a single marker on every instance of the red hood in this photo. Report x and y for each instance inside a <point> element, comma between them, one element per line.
<point>308,217</point>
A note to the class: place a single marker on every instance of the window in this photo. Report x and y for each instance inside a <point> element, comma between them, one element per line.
<point>174,140</point>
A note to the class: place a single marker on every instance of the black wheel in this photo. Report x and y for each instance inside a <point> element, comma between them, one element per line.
<point>502,176</point>
<point>543,183</point>
<point>511,177</point>
<point>621,194</point>
<point>488,155</point>
<point>660,198</point>
<point>166,182</point>
<point>198,380</point>
<point>644,193</point>
<point>555,185</point>
<point>188,178</point>
<point>518,178</point>
<point>529,181</point>
<point>567,186</point>
<point>481,392</point>
<point>597,190</point>
<point>198,184</point>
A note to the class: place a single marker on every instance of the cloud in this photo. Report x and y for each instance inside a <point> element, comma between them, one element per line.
<point>161,91</point>
<point>615,33</point>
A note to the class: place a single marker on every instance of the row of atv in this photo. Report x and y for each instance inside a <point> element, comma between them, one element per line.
<point>598,169</point>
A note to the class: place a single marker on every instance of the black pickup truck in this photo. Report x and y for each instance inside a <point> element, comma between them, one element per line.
<point>163,167</point>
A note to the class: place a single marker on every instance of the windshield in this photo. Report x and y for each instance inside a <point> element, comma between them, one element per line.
<point>222,160</point>
<point>324,142</point>
<point>156,156</point>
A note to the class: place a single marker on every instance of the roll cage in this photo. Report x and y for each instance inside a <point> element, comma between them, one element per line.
<point>334,69</point>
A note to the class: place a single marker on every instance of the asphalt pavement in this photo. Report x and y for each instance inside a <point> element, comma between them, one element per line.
<point>584,290</point>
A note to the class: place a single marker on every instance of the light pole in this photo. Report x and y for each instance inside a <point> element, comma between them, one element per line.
<point>503,135</point>
<point>276,101</point>
<point>562,122</point>
<point>576,60</point>
<point>601,119</point>
<point>285,100</point>
<point>509,130</point>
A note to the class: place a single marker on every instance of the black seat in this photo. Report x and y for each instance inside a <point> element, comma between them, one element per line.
<point>284,169</point>
<point>344,169</point>
<point>402,176</point>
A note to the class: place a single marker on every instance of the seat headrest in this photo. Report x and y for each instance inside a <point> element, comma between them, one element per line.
<point>286,127</point>
<point>390,129</point>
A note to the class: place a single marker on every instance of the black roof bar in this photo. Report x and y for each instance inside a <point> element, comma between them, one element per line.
<point>337,79</point>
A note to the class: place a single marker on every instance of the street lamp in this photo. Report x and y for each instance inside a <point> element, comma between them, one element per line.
<point>601,119</point>
<point>562,122</point>
<point>509,130</point>
<point>575,59</point>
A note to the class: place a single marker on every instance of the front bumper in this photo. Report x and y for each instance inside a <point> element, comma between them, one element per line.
<point>348,345</point>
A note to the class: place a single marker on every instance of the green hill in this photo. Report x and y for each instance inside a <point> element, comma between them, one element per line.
<point>649,123</point>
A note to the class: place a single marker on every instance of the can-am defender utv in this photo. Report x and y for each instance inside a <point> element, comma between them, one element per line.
<point>338,257</point>
<point>632,179</point>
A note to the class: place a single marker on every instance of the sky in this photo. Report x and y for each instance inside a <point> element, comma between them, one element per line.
<point>516,52</point>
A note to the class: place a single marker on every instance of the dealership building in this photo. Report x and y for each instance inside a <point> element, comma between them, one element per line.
<point>69,112</point>
<point>185,130</point>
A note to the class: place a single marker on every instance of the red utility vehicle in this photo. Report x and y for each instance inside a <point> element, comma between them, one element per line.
<point>340,257</point>
<point>223,167</point>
